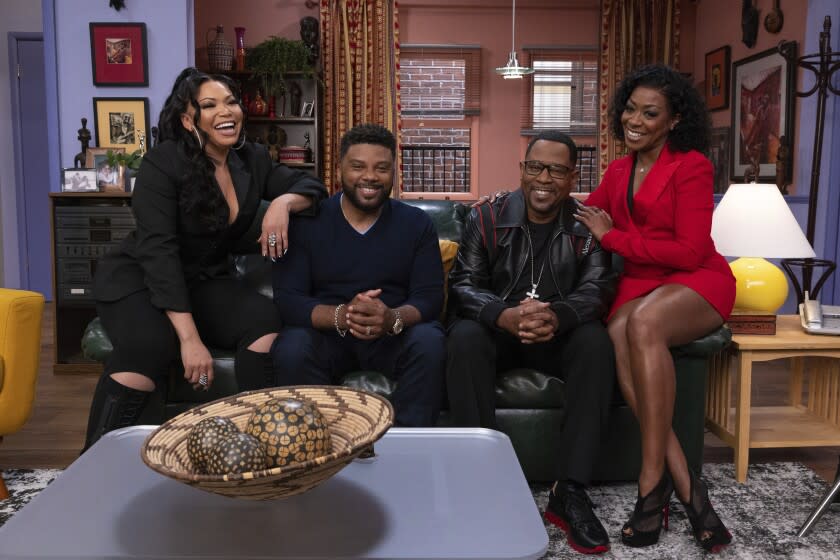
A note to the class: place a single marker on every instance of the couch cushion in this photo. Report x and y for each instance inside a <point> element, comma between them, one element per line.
<point>528,388</point>
<point>448,217</point>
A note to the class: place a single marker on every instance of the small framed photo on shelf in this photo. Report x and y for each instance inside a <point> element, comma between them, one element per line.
<point>118,54</point>
<point>107,177</point>
<point>78,180</point>
<point>120,122</point>
<point>717,78</point>
<point>308,109</point>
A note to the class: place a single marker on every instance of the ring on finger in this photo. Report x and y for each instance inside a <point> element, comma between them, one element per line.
<point>368,330</point>
<point>202,380</point>
<point>272,239</point>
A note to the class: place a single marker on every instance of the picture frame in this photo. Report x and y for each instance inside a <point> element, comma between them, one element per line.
<point>307,109</point>
<point>763,102</point>
<point>106,177</point>
<point>120,122</point>
<point>78,180</point>
<point>719,151</point>
<point>118,54</point>
<point>717,78</point>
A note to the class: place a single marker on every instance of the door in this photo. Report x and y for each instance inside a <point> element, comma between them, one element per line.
<point>31,175</point>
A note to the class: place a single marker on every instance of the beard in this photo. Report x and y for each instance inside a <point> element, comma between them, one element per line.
<point>364,203</point>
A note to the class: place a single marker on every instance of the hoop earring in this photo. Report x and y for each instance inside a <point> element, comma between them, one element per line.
<point>198,138</point>
<point>241,142</point>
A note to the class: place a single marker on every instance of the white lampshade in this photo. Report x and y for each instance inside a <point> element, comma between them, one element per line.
<point>753,220</point>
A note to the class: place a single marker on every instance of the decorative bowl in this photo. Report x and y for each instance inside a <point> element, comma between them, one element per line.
<point>355,419</point>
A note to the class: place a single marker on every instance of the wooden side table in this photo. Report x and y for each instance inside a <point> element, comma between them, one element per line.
<point>812,421</point>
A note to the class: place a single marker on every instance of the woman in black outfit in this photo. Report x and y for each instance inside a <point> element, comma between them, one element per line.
<point>169,288</point>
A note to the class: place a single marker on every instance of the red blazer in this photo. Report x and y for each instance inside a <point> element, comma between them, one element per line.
<point>667,239</point>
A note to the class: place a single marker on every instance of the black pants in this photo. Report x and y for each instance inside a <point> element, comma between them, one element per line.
<point>583,358</point>
<point>415,359</point>
<point>227,314</point>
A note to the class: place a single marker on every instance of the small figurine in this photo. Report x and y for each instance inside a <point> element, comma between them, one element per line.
<point>141,137</point>
<point>154,136</point>
<point>294,96</point>
<point>84,138</point>
<point>307,148</point>
<point>751,174</point>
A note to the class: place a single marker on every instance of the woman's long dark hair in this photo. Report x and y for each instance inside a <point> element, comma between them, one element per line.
<point>198,192</point>
<point>692,130</point>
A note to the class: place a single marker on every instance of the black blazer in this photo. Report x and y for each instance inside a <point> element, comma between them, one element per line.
<point>171,248</point>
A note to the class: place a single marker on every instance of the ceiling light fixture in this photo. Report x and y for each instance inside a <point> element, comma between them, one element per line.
<point>512,70</point>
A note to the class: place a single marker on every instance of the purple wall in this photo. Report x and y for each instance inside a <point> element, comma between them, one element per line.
<point>169,36</point>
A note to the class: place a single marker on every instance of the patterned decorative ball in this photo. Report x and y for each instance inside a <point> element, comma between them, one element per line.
<point>291,430</point>
<point>236,453</point>
<point>205,436</point>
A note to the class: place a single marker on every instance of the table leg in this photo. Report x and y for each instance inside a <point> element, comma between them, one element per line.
<point>742,416</point>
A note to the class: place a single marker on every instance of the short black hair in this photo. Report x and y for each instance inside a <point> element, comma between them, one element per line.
<point>368,134</point>
<point>692,130</point>
<point>555,136</point>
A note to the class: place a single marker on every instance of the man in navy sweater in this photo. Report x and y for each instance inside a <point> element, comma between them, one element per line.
<point>361,286</point>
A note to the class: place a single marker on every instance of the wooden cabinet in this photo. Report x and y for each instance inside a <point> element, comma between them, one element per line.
<point>84,226</point>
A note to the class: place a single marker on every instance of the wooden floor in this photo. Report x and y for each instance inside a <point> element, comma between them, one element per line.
<point>54,433</point>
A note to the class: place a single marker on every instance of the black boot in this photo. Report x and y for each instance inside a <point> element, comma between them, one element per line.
<point>114,406</point>
<point>254,370</point>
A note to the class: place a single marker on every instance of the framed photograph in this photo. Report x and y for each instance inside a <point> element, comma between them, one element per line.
<point>78,180</point>
<point>717,79</point>
<point>120,122</point>
<point>118,54</point>
<point>763,95</point>
<point>719,151</point>
<point>308,109</point>
<point>107,178</point>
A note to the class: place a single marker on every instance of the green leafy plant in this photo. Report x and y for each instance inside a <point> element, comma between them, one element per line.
<point>271,59</point>
<point>130,161</point>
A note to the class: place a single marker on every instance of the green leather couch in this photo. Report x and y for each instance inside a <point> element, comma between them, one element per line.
<point>529,404</point>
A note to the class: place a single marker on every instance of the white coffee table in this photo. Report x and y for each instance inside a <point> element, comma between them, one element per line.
<point>429,493</point>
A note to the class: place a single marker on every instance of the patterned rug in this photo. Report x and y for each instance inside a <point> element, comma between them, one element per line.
<point>763,515</point>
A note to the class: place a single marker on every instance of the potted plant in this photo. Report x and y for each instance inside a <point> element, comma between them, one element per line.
<point>122,162</point>
<point>271,59</point>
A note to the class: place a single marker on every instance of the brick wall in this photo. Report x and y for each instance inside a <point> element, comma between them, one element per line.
<point>431,85</point>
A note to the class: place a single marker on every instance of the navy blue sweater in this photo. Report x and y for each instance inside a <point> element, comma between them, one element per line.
<point>329,262</point>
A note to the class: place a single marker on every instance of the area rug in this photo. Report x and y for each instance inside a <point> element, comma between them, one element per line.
<point>764,515</point>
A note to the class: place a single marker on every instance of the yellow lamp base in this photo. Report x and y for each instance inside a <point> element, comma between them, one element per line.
<point>760,286</point>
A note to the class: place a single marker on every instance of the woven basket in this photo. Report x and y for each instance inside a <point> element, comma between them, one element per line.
<point>355,419</point>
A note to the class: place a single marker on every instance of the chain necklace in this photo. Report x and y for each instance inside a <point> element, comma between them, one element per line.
<point>533,293</point>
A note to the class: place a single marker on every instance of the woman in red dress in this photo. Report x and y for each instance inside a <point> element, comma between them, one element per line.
<point>654,208</point>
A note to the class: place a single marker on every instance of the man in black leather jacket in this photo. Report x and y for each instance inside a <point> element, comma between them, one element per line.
<point>529,288</point>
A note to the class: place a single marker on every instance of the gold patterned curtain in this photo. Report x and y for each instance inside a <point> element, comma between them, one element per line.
<point>633,32</point>
<point>360,48</point>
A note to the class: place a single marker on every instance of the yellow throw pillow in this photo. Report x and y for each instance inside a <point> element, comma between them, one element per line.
<point>448,251</point>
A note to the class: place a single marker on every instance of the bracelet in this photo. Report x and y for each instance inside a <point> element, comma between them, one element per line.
<point>341,332</point>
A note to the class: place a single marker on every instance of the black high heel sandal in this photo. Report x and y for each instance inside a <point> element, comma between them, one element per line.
<point>707,527</point>
<point>649,516</point>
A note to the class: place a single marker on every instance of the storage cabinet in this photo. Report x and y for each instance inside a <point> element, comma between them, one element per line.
<point>84,226</point>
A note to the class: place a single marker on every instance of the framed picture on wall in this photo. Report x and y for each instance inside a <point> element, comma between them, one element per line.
<point>120,122</point>
<point>719,152</point>
<point>763,95</point>
<point>118,54</point>
<point>717,79</point>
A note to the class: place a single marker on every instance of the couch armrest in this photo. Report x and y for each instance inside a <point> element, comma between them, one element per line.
<point>96,345</point>
<point>705,346</point>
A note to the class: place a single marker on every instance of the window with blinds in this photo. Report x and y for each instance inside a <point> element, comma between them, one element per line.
<point>563,91</point>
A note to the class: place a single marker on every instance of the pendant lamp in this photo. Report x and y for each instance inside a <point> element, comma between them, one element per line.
<point>512,70</point>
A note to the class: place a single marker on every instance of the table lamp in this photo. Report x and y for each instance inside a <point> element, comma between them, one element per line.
<point>753,222</point>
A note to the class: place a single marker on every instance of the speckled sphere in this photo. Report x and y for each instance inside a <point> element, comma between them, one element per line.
<point>236,453</point>
<point>291,430</point>
<point>205,436</point>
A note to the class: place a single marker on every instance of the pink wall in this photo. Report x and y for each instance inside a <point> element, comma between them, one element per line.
<point>537,23</point>
<point>261,18</point>
<point>718,23</point>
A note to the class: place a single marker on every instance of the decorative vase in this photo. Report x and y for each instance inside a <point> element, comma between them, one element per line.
<point>240,48</point>
<point>219,51</point>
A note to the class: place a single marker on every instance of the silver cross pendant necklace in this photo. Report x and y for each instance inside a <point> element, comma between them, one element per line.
<point>533,293</point>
